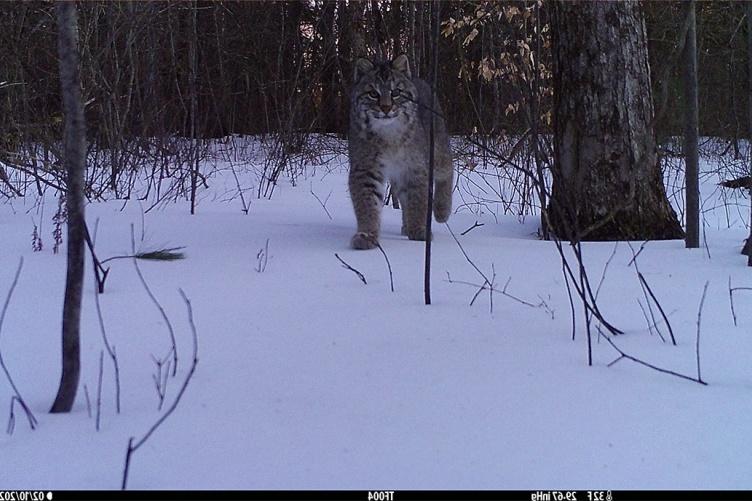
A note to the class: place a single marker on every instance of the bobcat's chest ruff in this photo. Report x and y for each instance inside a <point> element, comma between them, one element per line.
<point>395,163</point>
<point>392,131</point>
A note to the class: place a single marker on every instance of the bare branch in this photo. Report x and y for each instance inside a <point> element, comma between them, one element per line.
<point>388,265</point>
<point>134,446</point>
<point>323,204</point>
<point>699,320</point>
<point>262,256</point>
<point>110,348</point>
<point>29,415</point>
<point>623,355</point>
<point>173,349</point>
<point>99,387</point>
<point>731,297</point>
<point>476,225</point>
<point>347,266</point>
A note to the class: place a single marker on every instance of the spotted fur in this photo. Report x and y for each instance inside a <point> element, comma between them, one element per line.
<point>389,142</point>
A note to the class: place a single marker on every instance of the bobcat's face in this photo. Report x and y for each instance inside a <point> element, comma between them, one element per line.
<point>383,95</point>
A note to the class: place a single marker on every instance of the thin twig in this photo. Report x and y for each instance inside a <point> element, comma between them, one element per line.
<point>649,295</point>
<point>11,416</point>
<point>647,320</point>
<point>100,272</point>
<point>388,265</point>
<point>347,266</point>
<point>699,320</point>
<point>132,447</point>
<point>110,351</point>
<point>476,225</point>
<point>99,387</point>
<point>571,300</point>
<point>246,207</point>
<point>29,415</point>
<point>262,256</point>
<point>705,236</point>
<point>591,303</point>
<point>634,255</point>
<point>486,286</point>
<point>490,292</point>
<point>174,349</point>
<point>731,300</point>
<point>644,283</point>
<point>605,269</point>
<point>586,295</point>
<point>489,284</point>
<point>88,401</point>
<point>731,297</point>
<point>583,281</point>
<point>467,258</point>
<point>161,378</point>
<point>642,362</point>
<point>323,204</point>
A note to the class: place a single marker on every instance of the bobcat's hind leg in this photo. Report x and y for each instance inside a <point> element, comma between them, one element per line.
<point>399,193</point>
<point>416,204</point>
<point>443,184</point>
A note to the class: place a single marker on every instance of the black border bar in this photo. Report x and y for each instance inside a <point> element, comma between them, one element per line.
<point>376,495</point>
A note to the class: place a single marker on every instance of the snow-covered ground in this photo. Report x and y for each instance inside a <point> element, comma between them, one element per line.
<point>309,379</point>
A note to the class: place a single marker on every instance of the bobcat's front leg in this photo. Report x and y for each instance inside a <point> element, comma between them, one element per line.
<point>414,215</point>
<point>367,194</point>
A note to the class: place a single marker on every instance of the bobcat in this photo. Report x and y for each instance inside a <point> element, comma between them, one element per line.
<point>390,117</point>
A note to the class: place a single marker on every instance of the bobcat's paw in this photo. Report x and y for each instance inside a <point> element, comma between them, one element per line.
<point>363,241</point>
<point>416,234</point>
<point>442,210</point>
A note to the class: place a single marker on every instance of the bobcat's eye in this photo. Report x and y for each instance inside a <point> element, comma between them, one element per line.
<point>396,92</point>
<point>373,94</point>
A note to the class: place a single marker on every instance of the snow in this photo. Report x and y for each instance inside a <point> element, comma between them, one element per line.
<point>309,379</point>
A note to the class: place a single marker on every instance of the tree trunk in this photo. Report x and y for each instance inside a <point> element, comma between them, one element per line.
<point>344,66</point>
<point>691,160</point>
<point>329,121</point>
<point>75,161</point>
<point>607,181</point>
<point>193,90</point>
<point>357,31</point>
<point>411,6</point>
<point>395,27</point>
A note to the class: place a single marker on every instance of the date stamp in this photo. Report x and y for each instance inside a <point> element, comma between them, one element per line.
<point>25,496</point>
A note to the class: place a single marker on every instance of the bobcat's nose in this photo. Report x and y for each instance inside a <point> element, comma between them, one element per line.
<point>386,108</point>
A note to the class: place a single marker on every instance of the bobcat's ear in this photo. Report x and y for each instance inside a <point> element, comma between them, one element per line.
<point>361,66</point>
<point>401,64</point>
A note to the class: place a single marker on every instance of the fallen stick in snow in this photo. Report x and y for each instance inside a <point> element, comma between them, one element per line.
<point>347,266</point>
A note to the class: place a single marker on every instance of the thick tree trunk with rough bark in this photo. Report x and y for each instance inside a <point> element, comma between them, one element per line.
<point>74,160</point>
<point>607,182</point>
